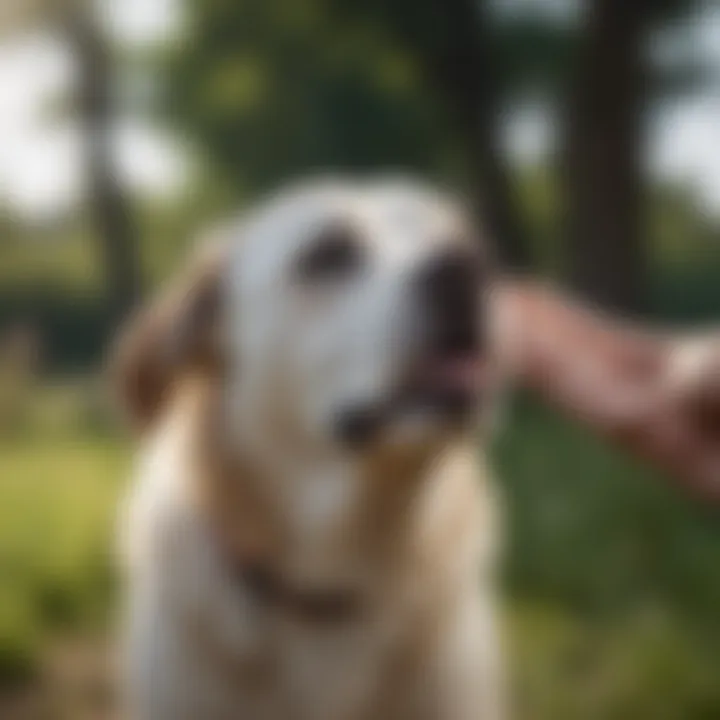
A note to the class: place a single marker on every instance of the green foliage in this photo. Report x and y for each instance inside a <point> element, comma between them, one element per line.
<point>273,90</point>
<point>646,665</point>
<point>597,532</point>
<point>20,641</point>
<point>57,506</point>
<point>614,579</point>
<point>60,258</point>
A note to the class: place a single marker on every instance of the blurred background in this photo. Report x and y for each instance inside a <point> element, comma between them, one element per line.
<point>587,134</point>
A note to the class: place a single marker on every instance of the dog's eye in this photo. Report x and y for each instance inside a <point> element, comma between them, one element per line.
<point>336,255</point>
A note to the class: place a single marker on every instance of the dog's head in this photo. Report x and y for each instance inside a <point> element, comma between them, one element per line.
<point>336,315</point>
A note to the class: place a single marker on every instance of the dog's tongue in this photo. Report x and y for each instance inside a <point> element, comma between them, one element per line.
<point>466,373</point>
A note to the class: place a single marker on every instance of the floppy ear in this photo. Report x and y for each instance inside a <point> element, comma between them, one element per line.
<point>176,332</point>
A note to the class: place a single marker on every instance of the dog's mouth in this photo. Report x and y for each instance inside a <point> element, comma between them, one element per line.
<point>449,385</point>
<point>446,390</point>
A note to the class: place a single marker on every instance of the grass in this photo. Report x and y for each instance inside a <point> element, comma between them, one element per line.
<point>613,578</point>
<point>57,500</point>
<point>614,581</point>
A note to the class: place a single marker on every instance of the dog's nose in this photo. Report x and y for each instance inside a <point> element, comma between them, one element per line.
<point>449,285</point>
<point>356,426</point>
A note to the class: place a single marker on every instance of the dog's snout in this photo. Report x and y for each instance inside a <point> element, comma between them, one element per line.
<point>449,282</point>
<point>449,285</point>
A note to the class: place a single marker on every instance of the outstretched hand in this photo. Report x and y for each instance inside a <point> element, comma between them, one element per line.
<point>655,394</point>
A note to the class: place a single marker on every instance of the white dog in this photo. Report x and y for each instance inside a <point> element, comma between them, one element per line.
<point>310,535</point>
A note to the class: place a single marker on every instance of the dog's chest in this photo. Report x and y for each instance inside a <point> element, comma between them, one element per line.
<point>223,649</point>
<point>206,646</point>
<point>334,671</point>
<point>325,544</point>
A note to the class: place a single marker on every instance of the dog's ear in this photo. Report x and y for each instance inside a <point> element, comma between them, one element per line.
<point>177,332</point>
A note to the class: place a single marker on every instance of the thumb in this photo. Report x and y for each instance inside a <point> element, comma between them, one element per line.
<point>694,375</point>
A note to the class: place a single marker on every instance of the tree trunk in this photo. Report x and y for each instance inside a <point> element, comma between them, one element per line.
<point>108,205</point>
<point>603,156</point>
<point>466,78</point>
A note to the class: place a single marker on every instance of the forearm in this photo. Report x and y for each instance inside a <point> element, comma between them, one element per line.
<point>573,356</point>
<point>633,386</point>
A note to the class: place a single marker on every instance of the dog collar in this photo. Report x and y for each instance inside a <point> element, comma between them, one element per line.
<point>269,588</point>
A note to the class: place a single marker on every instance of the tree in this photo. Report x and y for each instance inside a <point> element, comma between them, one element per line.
<point>614,85</point>
<point>109,205</point>
<point>77,22</point>
<point>271,90</point>
<point>407,84</point>
<point>469,75</point>
<point>603,127</point>
<point>453,42</point>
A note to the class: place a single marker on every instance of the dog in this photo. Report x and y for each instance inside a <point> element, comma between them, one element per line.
<point>312,533</point>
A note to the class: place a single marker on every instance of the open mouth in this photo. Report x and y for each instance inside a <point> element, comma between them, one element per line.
<point>450,385</point>
<point>449,388</point>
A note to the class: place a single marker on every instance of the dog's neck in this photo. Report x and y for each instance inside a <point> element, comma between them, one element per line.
<point>328,520</point>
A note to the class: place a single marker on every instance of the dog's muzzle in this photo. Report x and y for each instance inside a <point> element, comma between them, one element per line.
<point>448,373</point>
<point>448,288</point>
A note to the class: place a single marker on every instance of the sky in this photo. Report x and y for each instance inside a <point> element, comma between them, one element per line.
<point>40,159</point>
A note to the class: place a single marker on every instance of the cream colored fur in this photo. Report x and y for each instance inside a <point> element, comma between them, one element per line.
<point>410,527</point>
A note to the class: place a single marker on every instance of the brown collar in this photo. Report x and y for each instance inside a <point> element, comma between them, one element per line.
<point>268,587</point>
<point>247,560</point>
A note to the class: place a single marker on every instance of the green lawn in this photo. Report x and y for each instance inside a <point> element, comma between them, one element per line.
<point>57,500</point>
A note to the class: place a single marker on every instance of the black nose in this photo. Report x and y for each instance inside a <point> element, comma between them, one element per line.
<point>449,285</point>
<point>357,426</point>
